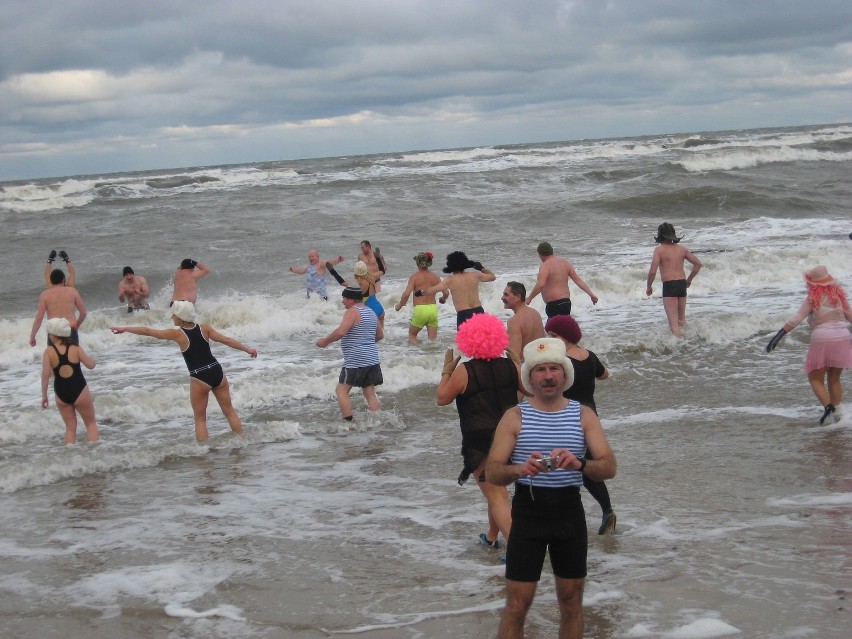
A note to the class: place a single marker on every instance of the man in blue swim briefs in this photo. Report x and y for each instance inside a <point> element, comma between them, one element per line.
<point>425,310</point>
<point>552,282</point>
<point>462,284</point>
<point>669,258</point>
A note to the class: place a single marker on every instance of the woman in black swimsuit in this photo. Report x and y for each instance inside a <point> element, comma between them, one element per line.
<point>205,372</point>
<point>62,359</point>
<point>587,369</point>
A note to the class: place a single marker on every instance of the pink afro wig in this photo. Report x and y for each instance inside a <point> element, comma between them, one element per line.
<point>483,336</point>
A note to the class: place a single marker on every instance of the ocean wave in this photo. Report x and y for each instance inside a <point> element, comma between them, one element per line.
<point>52,463</point>
<point>747,158</point>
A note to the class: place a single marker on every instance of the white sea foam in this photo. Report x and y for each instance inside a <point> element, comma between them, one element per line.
<point>360,527</point>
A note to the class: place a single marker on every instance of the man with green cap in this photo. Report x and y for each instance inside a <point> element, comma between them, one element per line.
<point>552,282</point>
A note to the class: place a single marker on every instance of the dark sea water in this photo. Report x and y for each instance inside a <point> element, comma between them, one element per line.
<point>733,505</point>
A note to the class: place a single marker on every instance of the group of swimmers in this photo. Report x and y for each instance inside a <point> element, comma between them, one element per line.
<point>61,300</point>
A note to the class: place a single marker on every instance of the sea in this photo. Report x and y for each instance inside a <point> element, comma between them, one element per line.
<point>733,504</point>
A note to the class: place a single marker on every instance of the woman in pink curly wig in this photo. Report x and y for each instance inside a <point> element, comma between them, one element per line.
<point>483,389</point>
<point>830,351</point>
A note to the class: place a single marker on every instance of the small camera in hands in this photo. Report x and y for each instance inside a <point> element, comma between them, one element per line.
<point>548,462</point>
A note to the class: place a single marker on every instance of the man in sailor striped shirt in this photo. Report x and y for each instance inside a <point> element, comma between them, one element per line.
<point>358,333</point>
<point>539,445</point>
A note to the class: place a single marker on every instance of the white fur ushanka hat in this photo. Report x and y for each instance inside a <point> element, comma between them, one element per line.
<point>546,350</point>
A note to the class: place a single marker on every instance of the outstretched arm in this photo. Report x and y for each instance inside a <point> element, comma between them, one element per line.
<point>298,270</point>
<point>216,336</point>
<point>159,333</point>
<point>443,285</point>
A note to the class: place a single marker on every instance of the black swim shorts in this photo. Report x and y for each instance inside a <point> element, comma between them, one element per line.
<point>362,377</point>
<point>674,288</point>
<point>547,519</point>
<point>463,316</point>
<point>558,307</point>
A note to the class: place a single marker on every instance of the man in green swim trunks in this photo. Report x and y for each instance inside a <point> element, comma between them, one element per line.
<point>425,311</point>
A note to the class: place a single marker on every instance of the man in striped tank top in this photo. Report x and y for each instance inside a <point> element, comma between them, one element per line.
<point>539,445</point>
<point>358,333</point>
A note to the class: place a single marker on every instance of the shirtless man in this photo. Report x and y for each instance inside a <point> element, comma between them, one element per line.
<point>462,285</point>
<point>373,259</point>
<point>525,325</point>
<point>72,274</point>
<point>316,275</point>
<point>60,300</point>
<point>134,289</point>
<point>425,311</point>
<point>669,258</point>
<point>552,283</point>
<point>186,278</point>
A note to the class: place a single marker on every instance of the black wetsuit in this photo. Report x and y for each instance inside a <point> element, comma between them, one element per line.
<point>586,371</point>
<point>492,388</point>
<point>199,360</point>
<point>67,389</point>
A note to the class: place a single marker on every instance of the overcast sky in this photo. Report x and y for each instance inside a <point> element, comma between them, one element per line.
<point>99,86</point>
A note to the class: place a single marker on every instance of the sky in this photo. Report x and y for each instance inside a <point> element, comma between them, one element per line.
<point>103,86</point>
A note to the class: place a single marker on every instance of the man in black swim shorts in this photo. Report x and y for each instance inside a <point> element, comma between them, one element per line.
<point>669,258</point>
<point>674,288</point>
<point>553,276</point>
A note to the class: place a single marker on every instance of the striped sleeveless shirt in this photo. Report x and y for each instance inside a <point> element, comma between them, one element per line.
<point>544,431</point>
<point>359,344</point>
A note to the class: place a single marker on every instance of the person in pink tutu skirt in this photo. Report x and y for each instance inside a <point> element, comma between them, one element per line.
<point>830,351</point>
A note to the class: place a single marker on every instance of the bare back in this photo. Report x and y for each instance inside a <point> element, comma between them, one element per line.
<point>464,287</point>
<point>62,301</point>
<point>422,280</point>
<point>555,273</point>
<point>186,287</point>
<point>670,258</point>
<point>525,326</point>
